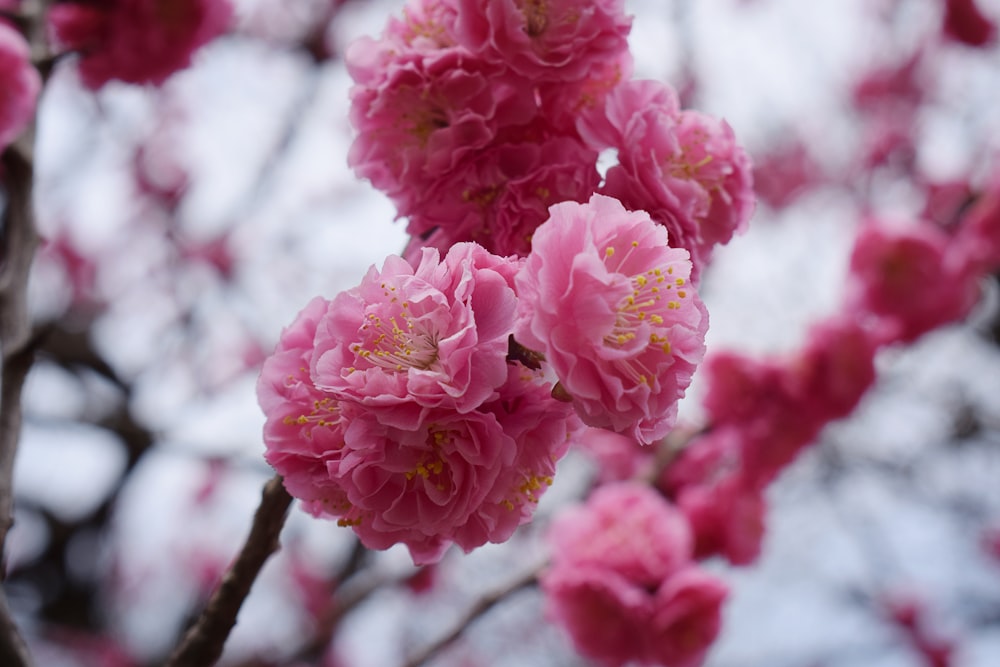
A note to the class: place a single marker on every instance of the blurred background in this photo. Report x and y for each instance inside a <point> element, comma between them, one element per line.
<point>184,226</point>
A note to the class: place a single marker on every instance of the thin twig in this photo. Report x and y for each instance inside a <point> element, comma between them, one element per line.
<point>483,605</point>
<point>202,645</point>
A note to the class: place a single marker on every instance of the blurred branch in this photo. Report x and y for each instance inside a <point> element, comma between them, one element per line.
<point>204,641</point>
<point>18,240</point>
<point>483,605</point>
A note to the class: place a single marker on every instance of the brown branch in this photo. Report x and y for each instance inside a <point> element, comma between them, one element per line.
<point>481,606</point>
<point>202,644</point>
<point>18,240</point>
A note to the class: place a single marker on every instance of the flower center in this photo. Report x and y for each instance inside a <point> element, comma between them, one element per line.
<point>396,341</point>
<point>644,307</point>
<point>536,17</point>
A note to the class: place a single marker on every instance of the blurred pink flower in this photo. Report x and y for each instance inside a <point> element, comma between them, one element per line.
<point>725,508</point>
<point>622,584</point>
<point>410,339</point>
<point>136,41</point>
<point>687,618</point>
<point>618,457</point>
<point>555,40</point>
<point>965,22</point>
<point>627,528</point>
<point>20,83</point>
<point>608,303</point>
<point>500,195</point>
<point>905,276</point>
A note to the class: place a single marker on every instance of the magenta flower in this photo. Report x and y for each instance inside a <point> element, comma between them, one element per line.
<point>304,430</point>
<point>410,339</point>
<point>421,486</point>
<point>499,196</point>
<point>136,41</point>
<point>555,40</point>
<point>725,508</point>
<point>684,167</point>
<point>608,303</point>
<point>616,515</point>
<point>622,583</point>
<point>19,82</point>
<point>456,478</point>
<point>965,22</point>
<point>906,277</point>
<point>418,113</point>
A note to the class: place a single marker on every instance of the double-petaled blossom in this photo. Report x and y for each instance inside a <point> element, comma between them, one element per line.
<point>455,135</point>
<point>684,168</point>
<point>136,41</point>
<point>19,81</point>
<point>609,304</point>
<point>546,40</point>
<point>409,339</point>
<point>500,196</point>
<point>420,112</point>
<point>393,407</point>
<point>622,584</point>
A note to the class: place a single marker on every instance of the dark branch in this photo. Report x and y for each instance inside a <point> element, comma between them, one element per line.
<point>203,643</point>
<point>483,605</point>
<point>18,240</point>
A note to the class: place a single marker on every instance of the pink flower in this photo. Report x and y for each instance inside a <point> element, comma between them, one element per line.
<point>687,618</point>
<point>604,614</point>
<point>906,278</point>
<point>136,41</point>
<point>964,22</point>
<point>621,582</point>
<point>409,339</point>
<point>684,167</point>
<point>564,103</point>
<point>419,113</point>
<point>725,508</point>
<point>609,305</point>
<point>304,430</point>
<point>784,174</point>
<point>20,83</point>
<point>421,486</point>
<point>454,478</point>
<point>835,368</point>
<point>554,40</point>
<point>498,196</point>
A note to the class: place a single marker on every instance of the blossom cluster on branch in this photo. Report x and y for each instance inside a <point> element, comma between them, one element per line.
<point>430,404</point>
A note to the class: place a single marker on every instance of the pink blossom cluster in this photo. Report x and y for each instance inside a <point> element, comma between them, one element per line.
<point>418,407</point>
<point>906,280</point>
<point>394,408</point>
<point>136,41</point>
<point>623,584</point>
<point>19,81</point>
<point>475,117</point>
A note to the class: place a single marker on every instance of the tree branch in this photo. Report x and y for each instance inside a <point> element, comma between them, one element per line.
<point>18,240</point>
<point>483,605</point>
<point>202,644</point>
